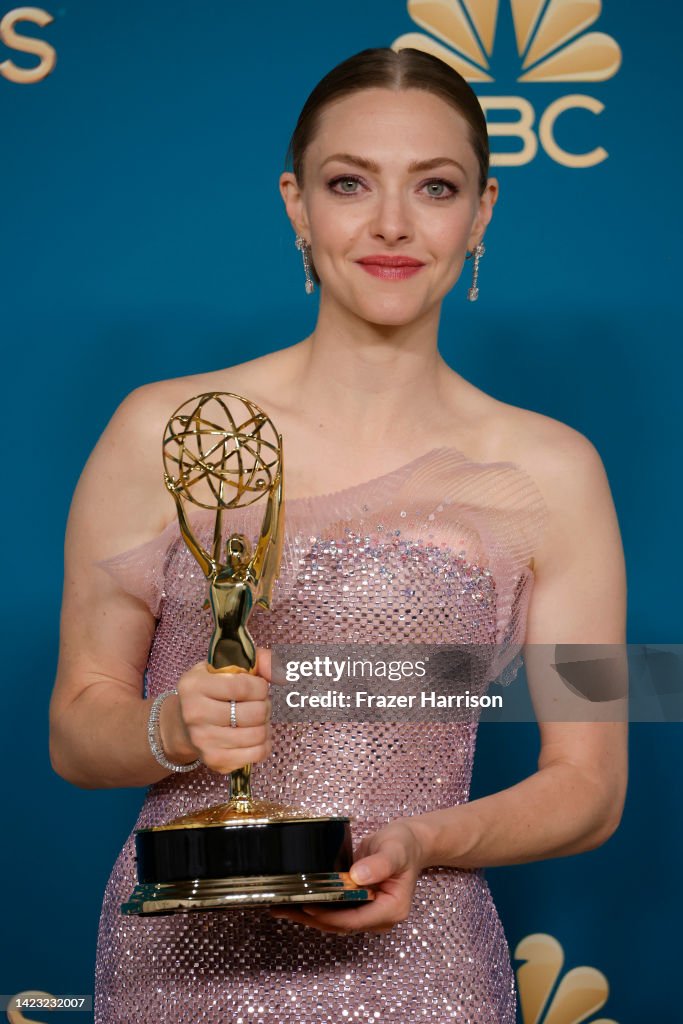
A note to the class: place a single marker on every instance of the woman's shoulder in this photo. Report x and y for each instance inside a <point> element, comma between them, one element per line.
<point>557,455</point>
<point>543,442</point>
<point>570,475</point>
<point>151,403</point>
<point>563,467</point>
<point>135,430</point>
<point>127,459</point>
<point>491,430</point>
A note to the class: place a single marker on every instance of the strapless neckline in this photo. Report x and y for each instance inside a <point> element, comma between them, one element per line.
<point>439,478</point>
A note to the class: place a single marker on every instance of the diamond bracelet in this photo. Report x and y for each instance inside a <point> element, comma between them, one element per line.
<point>154,737</point>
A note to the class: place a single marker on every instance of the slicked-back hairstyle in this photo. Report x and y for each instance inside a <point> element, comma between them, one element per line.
<point>382,67</point>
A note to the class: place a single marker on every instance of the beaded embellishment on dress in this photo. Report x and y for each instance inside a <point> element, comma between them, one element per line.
<point>437,549</point>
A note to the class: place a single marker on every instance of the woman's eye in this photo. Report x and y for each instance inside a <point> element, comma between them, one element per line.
<point>343,181</point>
<point>440,184</point>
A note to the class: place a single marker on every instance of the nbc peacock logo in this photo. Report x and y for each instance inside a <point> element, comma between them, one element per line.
<point>553,45</point>
<point>580,993</point>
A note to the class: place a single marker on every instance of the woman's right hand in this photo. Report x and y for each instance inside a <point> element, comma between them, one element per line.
<point>196,723</point>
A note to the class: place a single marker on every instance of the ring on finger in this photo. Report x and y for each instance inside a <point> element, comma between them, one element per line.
<point>233,714</point>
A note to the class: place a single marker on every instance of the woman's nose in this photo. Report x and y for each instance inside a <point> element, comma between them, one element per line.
<point>391,218</point>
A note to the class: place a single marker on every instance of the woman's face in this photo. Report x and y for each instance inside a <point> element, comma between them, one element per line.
<point>378,204</point>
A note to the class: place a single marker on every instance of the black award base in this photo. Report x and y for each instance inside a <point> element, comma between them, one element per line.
<point>246,861</point>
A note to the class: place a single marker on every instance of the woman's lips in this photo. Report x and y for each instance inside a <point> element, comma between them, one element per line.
<point>390,273</point>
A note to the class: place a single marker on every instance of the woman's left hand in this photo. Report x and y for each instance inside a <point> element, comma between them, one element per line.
<point>389,861</point>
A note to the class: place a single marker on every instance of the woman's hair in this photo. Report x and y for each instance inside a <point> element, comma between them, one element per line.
<point>382,67</point>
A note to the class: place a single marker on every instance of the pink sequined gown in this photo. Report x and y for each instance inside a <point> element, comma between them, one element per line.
<point>435,551</point>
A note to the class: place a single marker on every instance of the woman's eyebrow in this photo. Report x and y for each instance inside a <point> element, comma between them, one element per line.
<point>416,165</point>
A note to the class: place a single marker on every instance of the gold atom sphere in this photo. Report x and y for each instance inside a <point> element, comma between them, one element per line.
<point>221,451</point>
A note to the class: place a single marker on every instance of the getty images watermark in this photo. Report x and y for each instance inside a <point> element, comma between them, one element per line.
<point>381,697</point>
<point>477,682</point>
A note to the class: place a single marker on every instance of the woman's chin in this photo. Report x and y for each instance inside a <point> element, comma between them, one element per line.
<point>388,311</point>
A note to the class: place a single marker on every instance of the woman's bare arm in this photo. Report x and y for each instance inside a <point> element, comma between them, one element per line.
<point>575,800</point>
<point>98,717</point>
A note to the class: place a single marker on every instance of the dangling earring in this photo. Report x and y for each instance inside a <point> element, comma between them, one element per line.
<point>305,250</point>
<point>477,252</point>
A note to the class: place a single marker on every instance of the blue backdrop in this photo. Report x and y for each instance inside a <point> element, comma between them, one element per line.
<point>139,186</point>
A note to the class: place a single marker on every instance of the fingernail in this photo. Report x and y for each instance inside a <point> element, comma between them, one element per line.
<point>360,873</point>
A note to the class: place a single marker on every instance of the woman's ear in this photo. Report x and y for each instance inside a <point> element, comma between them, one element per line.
<point>294,203</point>
<point>487,201</point>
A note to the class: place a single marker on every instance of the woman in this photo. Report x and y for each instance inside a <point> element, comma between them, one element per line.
<point>419,505</point>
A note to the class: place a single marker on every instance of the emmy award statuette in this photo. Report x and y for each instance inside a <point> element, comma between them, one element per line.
<point>222,452</point>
